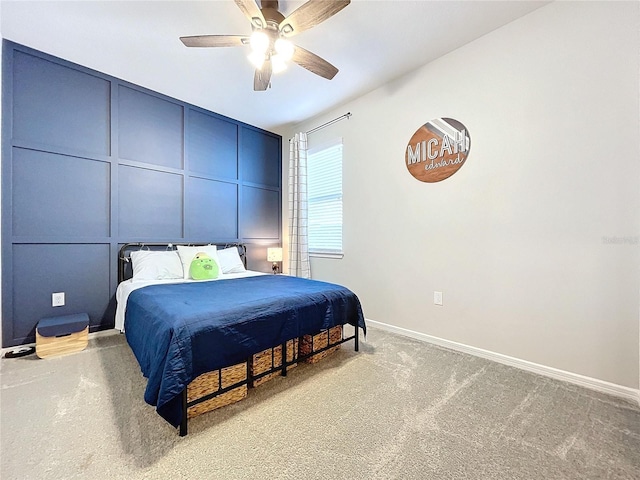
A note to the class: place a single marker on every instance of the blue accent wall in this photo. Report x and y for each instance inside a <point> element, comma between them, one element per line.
<point>90,162</point>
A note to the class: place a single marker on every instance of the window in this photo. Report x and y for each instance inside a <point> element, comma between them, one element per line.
<point>324,197</point>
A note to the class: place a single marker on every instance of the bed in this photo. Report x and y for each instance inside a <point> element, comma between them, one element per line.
<point>180,329</point>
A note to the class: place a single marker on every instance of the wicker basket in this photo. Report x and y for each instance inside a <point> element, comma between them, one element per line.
<point>312,343</point>
<point>209,383</point>
<point>271,358</point>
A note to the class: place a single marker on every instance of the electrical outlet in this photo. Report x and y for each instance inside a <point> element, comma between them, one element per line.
<point>57,299</point>
<point>437,298</point>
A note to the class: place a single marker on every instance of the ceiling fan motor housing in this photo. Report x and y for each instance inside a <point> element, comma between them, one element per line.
<point>271,15</point>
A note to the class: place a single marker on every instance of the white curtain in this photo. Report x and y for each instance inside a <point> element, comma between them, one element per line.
<point>298,236</point>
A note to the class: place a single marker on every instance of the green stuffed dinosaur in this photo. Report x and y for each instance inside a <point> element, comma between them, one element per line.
<point>203,267</point>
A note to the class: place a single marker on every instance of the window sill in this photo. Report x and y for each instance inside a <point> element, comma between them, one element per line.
<point>326,255</point>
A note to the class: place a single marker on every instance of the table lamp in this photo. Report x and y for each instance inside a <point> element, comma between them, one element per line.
<point>274,255</point>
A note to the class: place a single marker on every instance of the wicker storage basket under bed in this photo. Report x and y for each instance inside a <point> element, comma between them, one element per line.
<point>271,358</point>
<point>312,343</point>
<point>210,382</point>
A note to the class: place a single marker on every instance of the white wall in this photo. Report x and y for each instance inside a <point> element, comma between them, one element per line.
<point>534,242</point>
<point>0,154</point>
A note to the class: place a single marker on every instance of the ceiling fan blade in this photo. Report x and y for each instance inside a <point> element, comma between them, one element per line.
<point>309,15</point>
<point>314,63</point>
<point>262,76</point>
<point>252,12</point>
<point>215,40</point>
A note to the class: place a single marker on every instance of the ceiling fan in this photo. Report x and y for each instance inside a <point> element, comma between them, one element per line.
<point>271,48</point>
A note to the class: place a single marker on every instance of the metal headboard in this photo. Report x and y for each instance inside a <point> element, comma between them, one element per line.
<point>125,270</point>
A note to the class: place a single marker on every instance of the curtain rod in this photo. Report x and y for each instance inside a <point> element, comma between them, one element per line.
<point>330,122</point>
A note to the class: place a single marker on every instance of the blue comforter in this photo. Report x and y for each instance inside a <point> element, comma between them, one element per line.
<point>179,331</point>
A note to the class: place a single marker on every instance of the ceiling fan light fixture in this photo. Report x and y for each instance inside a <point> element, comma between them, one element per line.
<point>257,59</point>
<point>259,42</point>
<point>278,63</point>
<point>284,48</point>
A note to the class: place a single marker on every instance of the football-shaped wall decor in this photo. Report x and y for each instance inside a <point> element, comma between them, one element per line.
<point>437,150</point>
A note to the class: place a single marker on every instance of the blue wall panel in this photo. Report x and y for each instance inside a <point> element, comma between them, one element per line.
<point>149,128</point>
<point>261,156</point>
<point>59,106</point>
<point>260,213</point>
<point>150,203</point>
<point>58,195</point>
<point>39,270</point>
<point>91,162</point>
<point>212,209</point>
<point>213,145</point>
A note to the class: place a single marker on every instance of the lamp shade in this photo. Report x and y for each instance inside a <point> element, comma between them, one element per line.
<point>274,254</point>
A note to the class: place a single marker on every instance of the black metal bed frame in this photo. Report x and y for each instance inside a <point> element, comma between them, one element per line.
<point>123,259</point>
<point>250,378</point>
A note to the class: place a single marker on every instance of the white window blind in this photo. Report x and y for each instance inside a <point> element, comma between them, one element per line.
<point>324,197</point>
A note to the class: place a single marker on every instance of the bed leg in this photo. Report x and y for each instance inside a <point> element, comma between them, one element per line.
<point>357,339</point>
<point>183,423</point>
<point>284,359</point>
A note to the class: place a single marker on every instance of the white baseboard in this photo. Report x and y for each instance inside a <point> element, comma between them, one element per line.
<point>575,378</point>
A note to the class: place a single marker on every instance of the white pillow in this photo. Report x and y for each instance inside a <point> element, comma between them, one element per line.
<point>187,254</point>
<point>149,265</point>
<point>230,261</point>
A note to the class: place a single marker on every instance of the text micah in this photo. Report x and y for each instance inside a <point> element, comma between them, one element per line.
<point>428,149</point>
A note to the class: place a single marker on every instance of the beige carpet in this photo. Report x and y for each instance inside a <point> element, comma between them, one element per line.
<point>398,409</point>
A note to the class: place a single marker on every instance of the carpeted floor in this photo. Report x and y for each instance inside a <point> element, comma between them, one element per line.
<point>398,409</point>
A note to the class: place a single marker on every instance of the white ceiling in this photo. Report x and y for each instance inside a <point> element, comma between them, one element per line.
<point>370,41</point>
